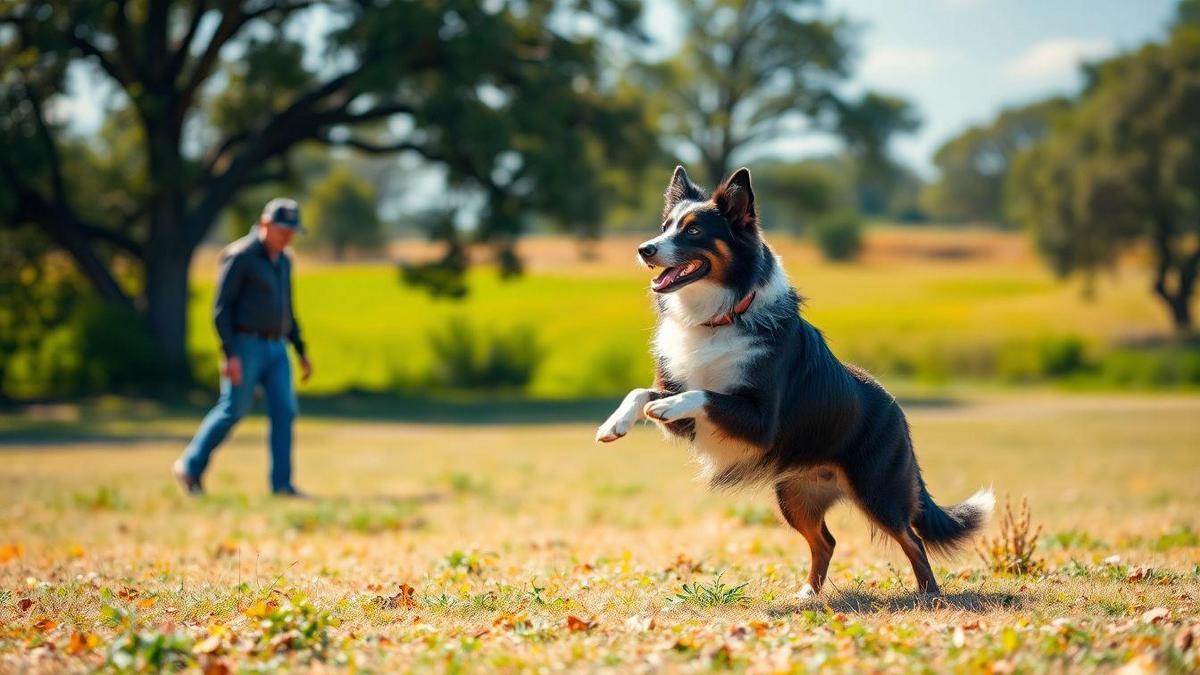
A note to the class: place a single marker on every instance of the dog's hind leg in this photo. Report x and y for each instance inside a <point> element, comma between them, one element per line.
<point>803,505</point>
<point>915,550</point>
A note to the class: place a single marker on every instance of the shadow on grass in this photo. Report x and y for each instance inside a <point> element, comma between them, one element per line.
<point>145,421</point>
<point>856,602</point>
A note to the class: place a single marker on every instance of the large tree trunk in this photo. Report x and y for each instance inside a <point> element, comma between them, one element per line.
<point>1178,296</point>
<point>166,299</point>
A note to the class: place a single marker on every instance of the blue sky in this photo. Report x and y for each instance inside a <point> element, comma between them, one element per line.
<point>960,61</point>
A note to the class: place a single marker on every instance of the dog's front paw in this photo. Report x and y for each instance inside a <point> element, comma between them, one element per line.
<point>614,427</point>
<point>677,407</point>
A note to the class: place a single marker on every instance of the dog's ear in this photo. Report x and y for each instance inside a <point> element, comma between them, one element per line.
<point>681,188</point>
<point>735,199</point>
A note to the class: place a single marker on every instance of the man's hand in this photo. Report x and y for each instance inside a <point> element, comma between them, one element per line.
<point>305,369</point>
<point>232,368</point>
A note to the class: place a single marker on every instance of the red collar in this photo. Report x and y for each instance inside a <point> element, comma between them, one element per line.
<point>726,319</point>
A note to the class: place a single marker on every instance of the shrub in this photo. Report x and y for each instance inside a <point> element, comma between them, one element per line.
<point>467,357</point>
<point>839,235</point>
<point>99,348</point>
<point>1012,550</point>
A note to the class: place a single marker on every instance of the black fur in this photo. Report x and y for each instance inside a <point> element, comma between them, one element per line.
<point>823,429</point>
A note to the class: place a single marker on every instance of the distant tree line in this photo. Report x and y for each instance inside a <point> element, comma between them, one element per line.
<point>1112,171</point>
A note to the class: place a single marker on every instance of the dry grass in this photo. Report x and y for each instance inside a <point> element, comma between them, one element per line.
<point>523,547</point>
<point>1013,550</point>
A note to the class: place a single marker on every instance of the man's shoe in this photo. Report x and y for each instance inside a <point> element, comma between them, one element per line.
<point>190,484</point>
<point>290,492</point>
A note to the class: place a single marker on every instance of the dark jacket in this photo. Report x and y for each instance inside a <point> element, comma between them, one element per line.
<point>254,295</point>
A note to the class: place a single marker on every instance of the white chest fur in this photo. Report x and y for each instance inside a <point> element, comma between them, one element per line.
<point>699,357</point>
<point>712,359</point>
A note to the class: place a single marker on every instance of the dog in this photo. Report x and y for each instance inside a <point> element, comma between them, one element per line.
<point>757,392</point>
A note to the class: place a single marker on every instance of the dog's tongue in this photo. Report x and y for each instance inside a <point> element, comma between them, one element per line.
<point>667,277</point>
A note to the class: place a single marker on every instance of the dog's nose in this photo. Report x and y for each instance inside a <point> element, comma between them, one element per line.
<point>647,250</point>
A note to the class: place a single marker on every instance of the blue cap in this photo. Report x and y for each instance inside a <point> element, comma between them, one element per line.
<point>285,212</point>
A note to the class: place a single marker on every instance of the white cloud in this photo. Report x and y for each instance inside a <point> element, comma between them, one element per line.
<point>1056,58</point>
<point>892,61</point>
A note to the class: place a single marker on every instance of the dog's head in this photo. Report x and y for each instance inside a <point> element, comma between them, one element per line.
<point>712,239</point>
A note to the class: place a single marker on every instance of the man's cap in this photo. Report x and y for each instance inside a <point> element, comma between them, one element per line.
<point>285,212</point>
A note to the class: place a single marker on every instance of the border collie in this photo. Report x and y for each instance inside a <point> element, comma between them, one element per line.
<point>761,398</point>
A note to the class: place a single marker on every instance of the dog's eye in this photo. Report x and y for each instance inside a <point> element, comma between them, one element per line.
<point>693,231</point>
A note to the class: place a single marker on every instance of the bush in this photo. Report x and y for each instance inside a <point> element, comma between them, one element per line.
<point>467,357</point>
<point>100,348</point>
<point>839,235</point>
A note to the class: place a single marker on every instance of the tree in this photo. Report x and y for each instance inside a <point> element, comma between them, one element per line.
<point>211,97</point>
<point>753,73</point>
<point>342,213</point>
<point>973,166</point>
<point>1121,172</point>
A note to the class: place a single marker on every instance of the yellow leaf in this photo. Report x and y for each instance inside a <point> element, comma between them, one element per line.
<point>11,552</point>
<point>80,643</point>
<point>256,611</point>
<point>148,602</point>
<point>76,551</point>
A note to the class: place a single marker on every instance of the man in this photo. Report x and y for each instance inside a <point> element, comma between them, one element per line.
<point>253,314</point>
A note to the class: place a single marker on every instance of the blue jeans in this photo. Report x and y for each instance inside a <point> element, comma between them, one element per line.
<point>264,362</point>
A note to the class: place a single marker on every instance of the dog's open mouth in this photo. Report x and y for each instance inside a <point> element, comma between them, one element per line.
<point>679,276</point>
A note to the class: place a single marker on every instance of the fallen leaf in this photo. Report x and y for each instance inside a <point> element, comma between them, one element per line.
<point>76,551</point>
<point>575,624</point>
<point>1184,640</point>
<point>11,552</point>
<point>1139,574</point>
<point>208,645</point>
<point>45,624</point>
<point>1156,615</point>
<point>960,638</point>
<point>402,600</point>
<point>80,643</point>
<point>146,603</point>
<point>24,605</point>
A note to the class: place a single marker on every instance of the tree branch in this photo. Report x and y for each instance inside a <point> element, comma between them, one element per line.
<point>199,9</point>
<point>232,21</point>
<point>377,148</point>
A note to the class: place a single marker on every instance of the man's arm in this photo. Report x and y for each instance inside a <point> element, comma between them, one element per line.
<point>294,332</point>
<point>229,283</point>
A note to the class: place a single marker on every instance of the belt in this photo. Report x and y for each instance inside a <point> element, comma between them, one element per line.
<point>264,334</point>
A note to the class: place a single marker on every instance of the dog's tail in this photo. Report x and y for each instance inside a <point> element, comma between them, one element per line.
<point>945,529</point>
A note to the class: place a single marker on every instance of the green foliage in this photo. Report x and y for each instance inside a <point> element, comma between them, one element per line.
<point>513,105</point>
<point>838,235</point>
<point>1120,172</point>
<point>712,594</point>
<point>789,195</point>
<point>99,348</point>
<point>749,67</point>
<point>467,356</point>
<point>341,212</point>
<point>973,166</point>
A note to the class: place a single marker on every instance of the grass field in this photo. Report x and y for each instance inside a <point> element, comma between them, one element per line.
<point>929,304</point>
<point>510,547</point>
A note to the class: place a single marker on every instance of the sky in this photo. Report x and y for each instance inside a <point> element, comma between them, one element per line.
<point>958,61</point>
<point>961,61</point>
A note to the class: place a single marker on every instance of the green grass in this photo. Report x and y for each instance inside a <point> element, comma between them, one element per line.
<point>525,546</point>
<point>911,316</point>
